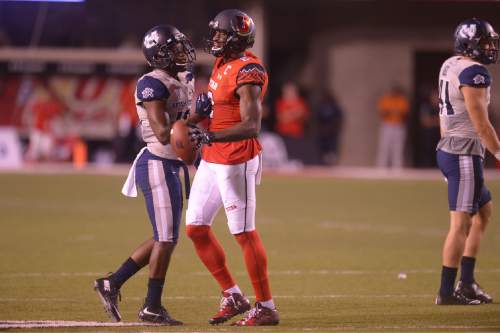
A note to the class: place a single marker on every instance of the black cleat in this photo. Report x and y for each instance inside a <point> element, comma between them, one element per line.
<point>157,315</point>
<point>455,299</point>
<point>109,296</point>
<point>473,291</point>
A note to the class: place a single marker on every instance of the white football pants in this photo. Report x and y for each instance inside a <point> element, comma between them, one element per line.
<point>231,186</point>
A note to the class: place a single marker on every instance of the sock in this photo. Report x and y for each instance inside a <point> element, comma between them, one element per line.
<point>268,304</point>
<point>125,272</point>
<point>234,290</point>
<point>448,275</point>
<point>211,254</point>
<point>256,262</point>
<point>155,288</point>
<point>467,269</point>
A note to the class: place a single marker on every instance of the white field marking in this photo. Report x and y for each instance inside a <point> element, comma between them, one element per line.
<point>8,324</point>
<point>381,228</point>
<point>340,172</point>
<point>419,328</point>
<point>350,272</point>
<point>66,323</point>
<point>183,298</point>
<point>300,296</point>
<point>57,274</point>
<point>244,273</point>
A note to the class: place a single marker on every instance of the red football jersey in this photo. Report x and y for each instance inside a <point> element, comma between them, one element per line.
<point>225,80</point>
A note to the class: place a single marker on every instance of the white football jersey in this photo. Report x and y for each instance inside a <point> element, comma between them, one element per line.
<point>159,85</point>
<point>459,135</point>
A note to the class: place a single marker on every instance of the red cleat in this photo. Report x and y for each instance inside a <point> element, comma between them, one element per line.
<point>231,305</point>
<point>259,316</point>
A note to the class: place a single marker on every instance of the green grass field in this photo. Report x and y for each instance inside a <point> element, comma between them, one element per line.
<point>335,249</point>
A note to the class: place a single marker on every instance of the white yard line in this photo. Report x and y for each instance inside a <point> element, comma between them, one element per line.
<point>380,228</point>
<point>182,298</point>
<point>10,324</point>
<point>65,323</point>
<point>341,172</point>
<point>284,272</point>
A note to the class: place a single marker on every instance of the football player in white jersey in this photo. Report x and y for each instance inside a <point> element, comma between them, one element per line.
<point>162,96</point>
<point>464,87</point>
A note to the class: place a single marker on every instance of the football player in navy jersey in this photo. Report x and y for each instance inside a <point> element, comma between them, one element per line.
<point>464,87</point>
<point>162,97</point>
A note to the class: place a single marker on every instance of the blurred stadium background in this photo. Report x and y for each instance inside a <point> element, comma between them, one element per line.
<point>69,68</point>
<point>87,55</point>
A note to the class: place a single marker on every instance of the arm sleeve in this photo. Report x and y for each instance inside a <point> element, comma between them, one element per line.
<point>251,74</point>
<point>475,76</point>
<point>150,89</point>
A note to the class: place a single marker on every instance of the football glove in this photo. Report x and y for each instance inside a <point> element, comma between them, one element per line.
<point>200,136</point>
<point>203,105</point>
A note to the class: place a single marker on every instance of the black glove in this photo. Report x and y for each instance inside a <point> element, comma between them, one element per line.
<point>203,105</point>
<point>200,136</point>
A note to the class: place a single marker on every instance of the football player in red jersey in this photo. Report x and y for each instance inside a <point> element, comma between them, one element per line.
<point>231,166</point>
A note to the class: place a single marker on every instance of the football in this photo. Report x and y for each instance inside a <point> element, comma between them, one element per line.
<point>181,144</point>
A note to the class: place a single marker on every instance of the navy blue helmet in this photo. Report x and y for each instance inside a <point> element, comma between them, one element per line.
<point>239,29</point>
<point>165,47</point>
<point>477,39</point>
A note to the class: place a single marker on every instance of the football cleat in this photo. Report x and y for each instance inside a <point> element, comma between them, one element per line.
<point>109,295</point>
<point>230,305</point>
<point>473,291</point>
<point>259,316</point>
<point>157,315</point>
<point>456,299</point>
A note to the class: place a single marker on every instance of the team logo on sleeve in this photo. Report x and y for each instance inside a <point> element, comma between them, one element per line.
<point>479,79</point>
<point>147,92</point>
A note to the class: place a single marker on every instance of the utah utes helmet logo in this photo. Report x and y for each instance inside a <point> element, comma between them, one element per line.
<point>244,25</point>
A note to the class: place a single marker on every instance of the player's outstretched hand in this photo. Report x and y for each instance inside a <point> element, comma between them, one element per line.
<point>199,136</point>
<point>203,105</point>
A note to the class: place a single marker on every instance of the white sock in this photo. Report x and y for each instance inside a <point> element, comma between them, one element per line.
<point>268,304</point>
<point>234,290</point>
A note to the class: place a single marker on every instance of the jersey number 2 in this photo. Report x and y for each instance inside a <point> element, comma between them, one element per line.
<point>444,99</point>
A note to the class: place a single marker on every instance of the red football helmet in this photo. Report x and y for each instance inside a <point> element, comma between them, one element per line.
<point>238,28</point>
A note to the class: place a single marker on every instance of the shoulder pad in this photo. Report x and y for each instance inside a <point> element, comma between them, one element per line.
<point>150,89</point>
<point>252,73</point>
<point>476,76</point>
